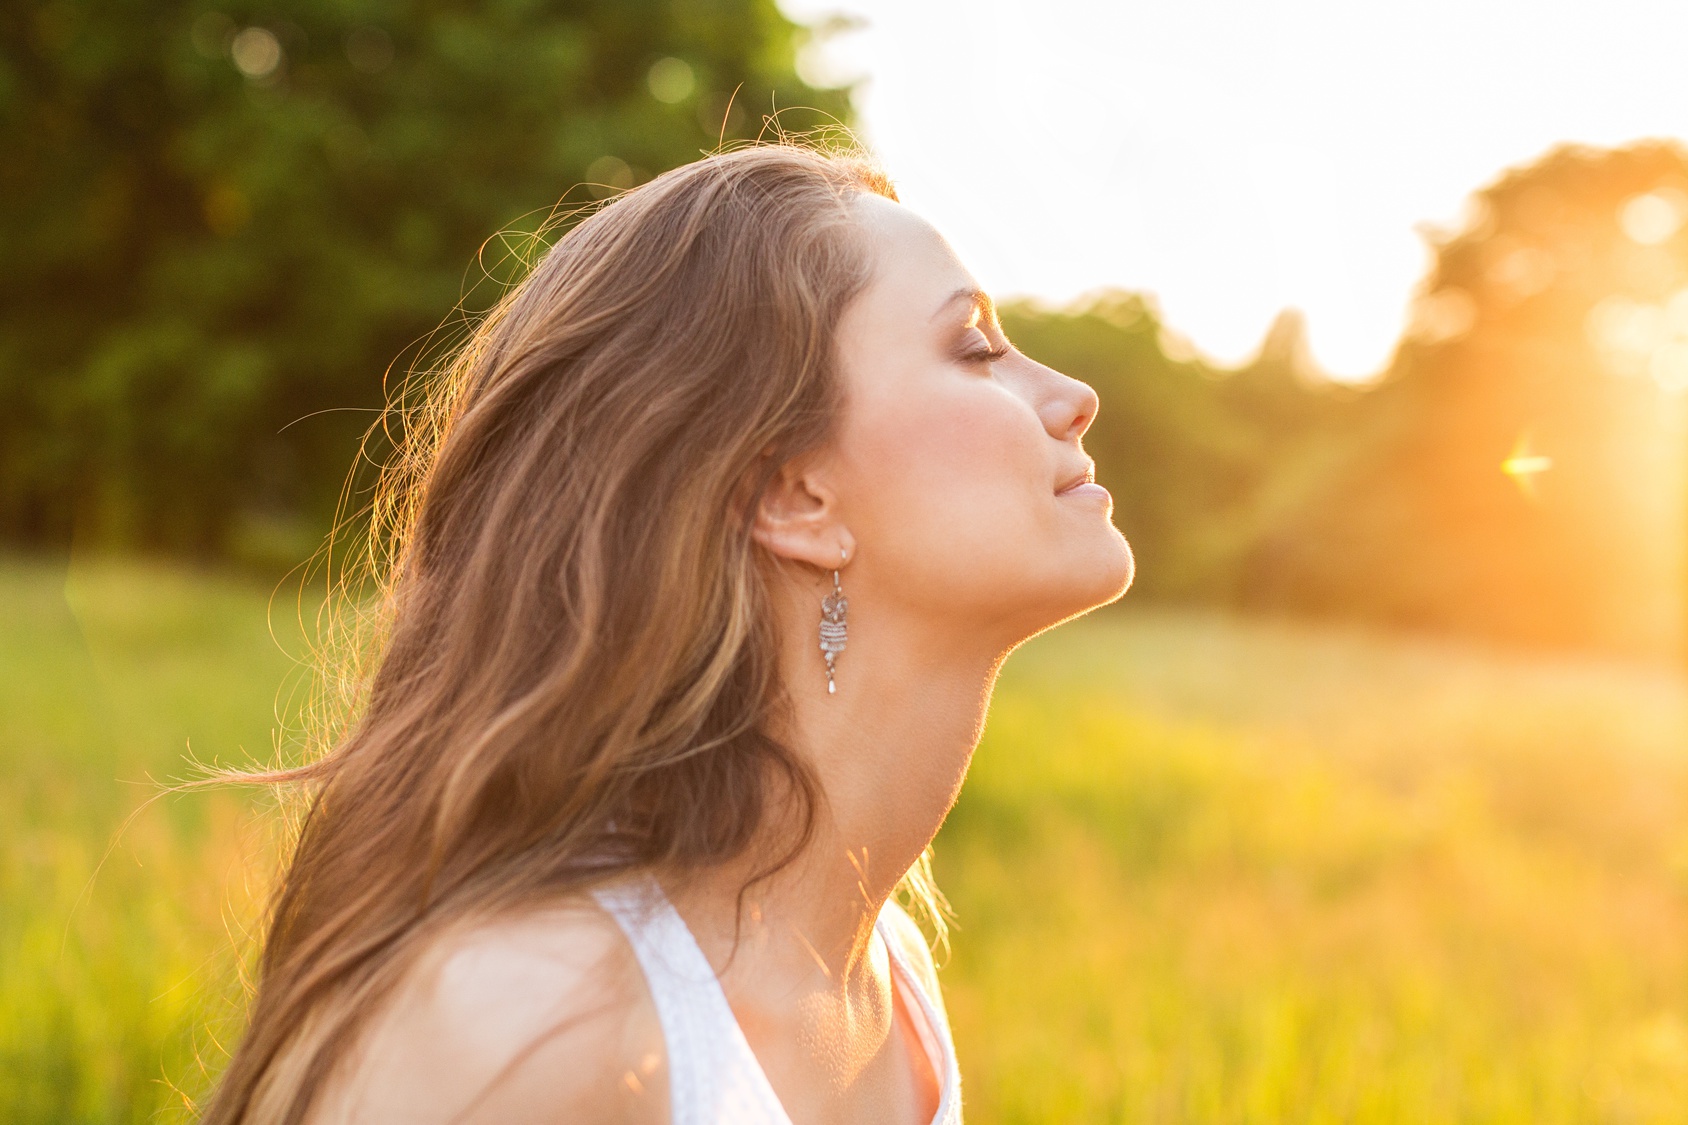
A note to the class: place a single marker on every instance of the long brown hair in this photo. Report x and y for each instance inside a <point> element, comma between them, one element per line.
<point>577,662</point>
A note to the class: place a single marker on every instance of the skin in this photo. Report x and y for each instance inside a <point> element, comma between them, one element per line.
<point>941,491</point>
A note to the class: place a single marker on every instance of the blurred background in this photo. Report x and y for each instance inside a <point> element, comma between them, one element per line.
<point>1367,804</point>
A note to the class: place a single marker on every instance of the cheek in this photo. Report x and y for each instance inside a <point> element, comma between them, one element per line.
<point>947,481</point>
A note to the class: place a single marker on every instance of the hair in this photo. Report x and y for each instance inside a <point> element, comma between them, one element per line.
<point>576,663</point>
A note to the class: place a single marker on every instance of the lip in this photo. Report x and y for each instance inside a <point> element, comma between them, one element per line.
<point>1085,488</point>
<point>1088,476</point>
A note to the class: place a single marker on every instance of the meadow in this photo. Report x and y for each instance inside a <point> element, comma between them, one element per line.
<point>1205,870</point>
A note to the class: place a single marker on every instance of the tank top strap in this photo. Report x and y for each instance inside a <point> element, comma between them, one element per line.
<point>932,1027</point>
<point>714,1077</point>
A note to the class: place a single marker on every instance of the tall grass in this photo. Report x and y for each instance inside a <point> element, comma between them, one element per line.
<point>1205,870</point>
<point>120,914</point>
<point>1220,872</point>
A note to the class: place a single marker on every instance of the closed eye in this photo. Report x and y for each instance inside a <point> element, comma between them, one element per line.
<point>985,355</point>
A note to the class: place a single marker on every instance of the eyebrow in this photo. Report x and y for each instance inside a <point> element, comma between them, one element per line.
<point>975,298</point>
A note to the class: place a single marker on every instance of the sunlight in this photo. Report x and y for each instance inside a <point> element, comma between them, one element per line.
<point>1525,271</point>
<point>1653,217</point>
<point>1624,333</point>
<point>1635,339</point>
<point>1196,150</point>
<point>1444,315</point>
<point>1676,312</point>
<point>1669,366</point>
<point>1525,465</point>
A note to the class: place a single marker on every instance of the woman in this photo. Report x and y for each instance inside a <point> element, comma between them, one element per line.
<point>722,526</point>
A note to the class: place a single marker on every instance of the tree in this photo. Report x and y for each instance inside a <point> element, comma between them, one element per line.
<point>1201,461</point>
<point>221,224</point>
<point>1521,472</point>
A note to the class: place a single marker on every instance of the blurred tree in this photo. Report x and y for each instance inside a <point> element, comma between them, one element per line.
<point>1520,472</point>
<point>1201,461</point>
<point>219,221</point>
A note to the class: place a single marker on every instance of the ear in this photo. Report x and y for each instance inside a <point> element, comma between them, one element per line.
<point>797,519</point>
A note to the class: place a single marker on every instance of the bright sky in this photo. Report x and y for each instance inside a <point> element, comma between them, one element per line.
<point>1237,157</point>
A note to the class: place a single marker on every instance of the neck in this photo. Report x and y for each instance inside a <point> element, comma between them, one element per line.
<point>889,751</point>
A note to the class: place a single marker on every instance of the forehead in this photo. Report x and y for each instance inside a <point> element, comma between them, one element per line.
<point>915,269</point>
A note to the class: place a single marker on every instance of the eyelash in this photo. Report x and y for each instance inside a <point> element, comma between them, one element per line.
<point>985,355</point>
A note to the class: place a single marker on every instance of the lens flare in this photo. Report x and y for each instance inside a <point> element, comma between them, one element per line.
<point>1525,465</point>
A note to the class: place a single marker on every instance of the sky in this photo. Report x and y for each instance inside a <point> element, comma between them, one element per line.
<point>1236,157</point>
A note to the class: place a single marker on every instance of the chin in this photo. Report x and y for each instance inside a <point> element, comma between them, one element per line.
<point>1111,573</point>
<point>1090,580</point>
<point>1125,571</point>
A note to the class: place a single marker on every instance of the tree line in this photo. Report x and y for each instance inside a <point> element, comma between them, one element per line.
<point>223,223</point>
<point>1517,472</point>
<point>227,228</point>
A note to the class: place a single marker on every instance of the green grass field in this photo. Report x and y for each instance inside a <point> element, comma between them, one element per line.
<point>1205,870</point>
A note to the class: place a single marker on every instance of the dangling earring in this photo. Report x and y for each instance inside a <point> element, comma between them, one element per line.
<point>833,608</point>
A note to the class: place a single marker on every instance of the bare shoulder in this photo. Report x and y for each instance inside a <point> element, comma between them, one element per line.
<point>911,942</point>
<point>539,1017</point>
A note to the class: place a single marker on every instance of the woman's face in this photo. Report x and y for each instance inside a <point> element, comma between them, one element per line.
<point>955,452</point>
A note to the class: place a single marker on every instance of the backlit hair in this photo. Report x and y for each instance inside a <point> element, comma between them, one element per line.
<point>576,666</point>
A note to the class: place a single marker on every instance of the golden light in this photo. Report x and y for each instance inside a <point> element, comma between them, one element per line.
<point>1634,338</point>
<point>1445,315</point>
<point>1669,366</point>
<point>1651,218</point>
<point>1523,271</point>
<point>1624,332</point>
<point>1676,313</point>
<point>1525,465</point>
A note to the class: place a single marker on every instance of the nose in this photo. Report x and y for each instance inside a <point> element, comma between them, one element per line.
<point>1069,405</point>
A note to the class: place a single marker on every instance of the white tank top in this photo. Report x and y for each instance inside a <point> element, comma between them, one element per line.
<point>713,1076</point>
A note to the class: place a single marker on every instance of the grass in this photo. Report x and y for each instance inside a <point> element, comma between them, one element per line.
<point>117,950</point>
<point>1220,872</point>
<point>1205,870</point>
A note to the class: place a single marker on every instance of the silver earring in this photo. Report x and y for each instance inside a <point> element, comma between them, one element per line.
<point>833,608</point>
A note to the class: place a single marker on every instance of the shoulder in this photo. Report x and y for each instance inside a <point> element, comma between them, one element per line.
<point>911,942</point>
<point>544,1016</point>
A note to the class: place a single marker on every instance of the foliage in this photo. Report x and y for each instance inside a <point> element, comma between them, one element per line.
<point>224,225</point>
<point>1520,472</point>
<point>1201,461</point>
<point>222,222</point>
